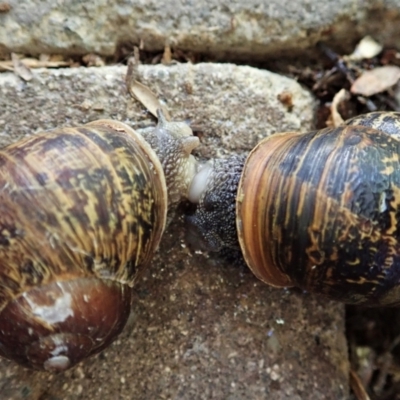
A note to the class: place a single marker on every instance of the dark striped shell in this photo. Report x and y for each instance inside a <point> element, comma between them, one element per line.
<point>321,210</point>
<point>82,210</point>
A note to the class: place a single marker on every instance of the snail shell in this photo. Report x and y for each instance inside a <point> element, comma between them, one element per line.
<point>319,210</point>
<point>82,211</point>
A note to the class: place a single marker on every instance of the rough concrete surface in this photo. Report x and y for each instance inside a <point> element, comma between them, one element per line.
<point>224,29</point>
<point>200,328</point>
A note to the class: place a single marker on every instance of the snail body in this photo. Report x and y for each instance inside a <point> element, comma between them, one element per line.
<point>318,210</point>
<point>82,210</point>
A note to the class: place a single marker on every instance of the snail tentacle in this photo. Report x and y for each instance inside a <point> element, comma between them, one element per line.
<point>173,143</point>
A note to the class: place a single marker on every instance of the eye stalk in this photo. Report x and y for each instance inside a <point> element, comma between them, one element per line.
<point>173,142</point>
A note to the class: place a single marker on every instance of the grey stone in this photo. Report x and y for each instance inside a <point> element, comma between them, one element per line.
<point>225,29</point>
<point>200,328</point>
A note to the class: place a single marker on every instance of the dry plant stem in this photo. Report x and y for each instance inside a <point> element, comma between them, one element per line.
<point>357,387</point>
<point>329,75</point>
<point>339,62</point>
<point>167,55</point>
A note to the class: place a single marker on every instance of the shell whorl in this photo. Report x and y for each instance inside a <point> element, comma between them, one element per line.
<point>319,211</point>
<point>81,200</point>
<point>82,211</point>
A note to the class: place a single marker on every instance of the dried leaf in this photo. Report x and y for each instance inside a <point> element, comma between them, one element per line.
<point>366,48</point>
<point>33,63</point>
<point>6,66</point>
<point>376,80</point>
<point>20,68</point>
<point>142,93</point>
<point>339,98</point>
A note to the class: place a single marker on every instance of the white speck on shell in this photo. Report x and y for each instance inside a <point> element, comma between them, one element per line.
<point>58,363</point>
<point>59,311</point>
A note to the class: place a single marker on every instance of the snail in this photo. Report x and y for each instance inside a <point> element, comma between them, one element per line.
<point>82,211</point>
<point>317,210</point>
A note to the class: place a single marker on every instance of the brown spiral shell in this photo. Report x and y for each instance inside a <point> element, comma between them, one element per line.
<point>321,210</point>
<point>82,210</point>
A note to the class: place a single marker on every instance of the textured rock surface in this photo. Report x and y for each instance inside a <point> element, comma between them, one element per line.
<point>200,328</point>
<point>223,28</point>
